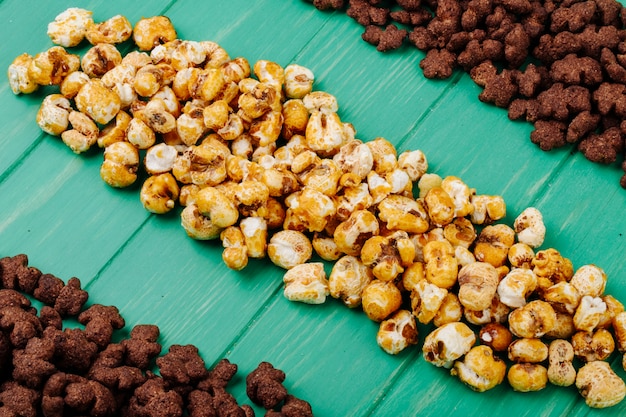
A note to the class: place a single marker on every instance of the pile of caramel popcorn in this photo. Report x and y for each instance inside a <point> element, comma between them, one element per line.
<point>258,159</point>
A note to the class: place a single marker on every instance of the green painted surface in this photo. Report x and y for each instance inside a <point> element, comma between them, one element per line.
<point>55,208</point>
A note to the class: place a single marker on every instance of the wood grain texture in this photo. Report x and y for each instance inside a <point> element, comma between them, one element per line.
<point>54,207</point>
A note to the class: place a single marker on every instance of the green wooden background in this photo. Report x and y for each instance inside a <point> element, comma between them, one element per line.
<point>55,208</point>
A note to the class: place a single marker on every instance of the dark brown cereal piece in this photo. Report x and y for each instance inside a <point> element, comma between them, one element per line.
<point>603,147</point>
<point>73,351</point>
<point>19,324</point>
<point>328,4</point>
<point>535,22</point>
<point>410,5</point>
<point>71,394</point>
<point>219,376</point>
<point>576,70</point>
<point>296,407</point>
<point>475,13</point>
<point>561,103</point>
<point>500,90</point>
<point>17,400</point>
<point>152,398</point>
<point>438,63</point>
<point>108,369</point>
<point>524,109</point>
<point>218,402</point>
<point>386,39</point>
<point>71,298</point>
<point>417,17</point>
<point>264,385</point>
<point>13,298</point>
<point>48,289</point>
<point>16,274</point>
<point>532,80</point>
<point>142,347</point>
<point>516,46</point>
<point>424,39</point>
<point>573,18</point>
<point>593,39</point>
<point>554,47</point>
<point>584,123</point>
<point>34,364</point>
<point>366,14</point>
<point>608,13</point>
<point>610,99</point>
<point>614,68</point>
<point>182,365</point>
<point>478,51</point>
<point>100,322</point>
<point>549,134</point>
<point>49,317</point>
<point>483,73</point>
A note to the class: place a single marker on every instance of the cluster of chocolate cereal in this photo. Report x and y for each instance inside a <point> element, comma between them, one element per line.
<point>49,369</point>
<point>557,64</point>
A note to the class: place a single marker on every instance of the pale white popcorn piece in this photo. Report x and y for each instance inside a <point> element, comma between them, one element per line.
<point>460,193</point>
<point>160,158</point>
<point>289,248</point>
<point>516,286</point>
<point>530,228</point>
<point>306,283</point>
<point>589,280</point>
<point>589,313</point>
<point>70,26</point>
<point>447,343</point>
<point>414,163</point>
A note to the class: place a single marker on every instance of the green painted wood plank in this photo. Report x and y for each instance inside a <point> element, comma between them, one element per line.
<point>73,225</point>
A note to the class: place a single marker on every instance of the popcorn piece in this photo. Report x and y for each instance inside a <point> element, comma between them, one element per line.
<point>152,31</point>
<point>159,193</point>
<point>397,332</point>
<point>121,161</point>
<point>599,385</point>
<point>53,114</point>
<point>527,377</point>
<point>589,280</point>
<point>527,350</point>
<point>347,280</point>
<point>70,27</point>
<point>114,30</point>
<point>530,228</point>
<point>306,283</point>
<point>496,336</point>
<point>516,287</point>
<point>447,343</point>
<point>593,346</point>
<point>380,299</point>
<point>480,369</point>
<point>561,371</point>
<point>20,80</point>
<point>288,248</point>
<point>533,320</point>
<point>478,285</point>
<point>589,313</point>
